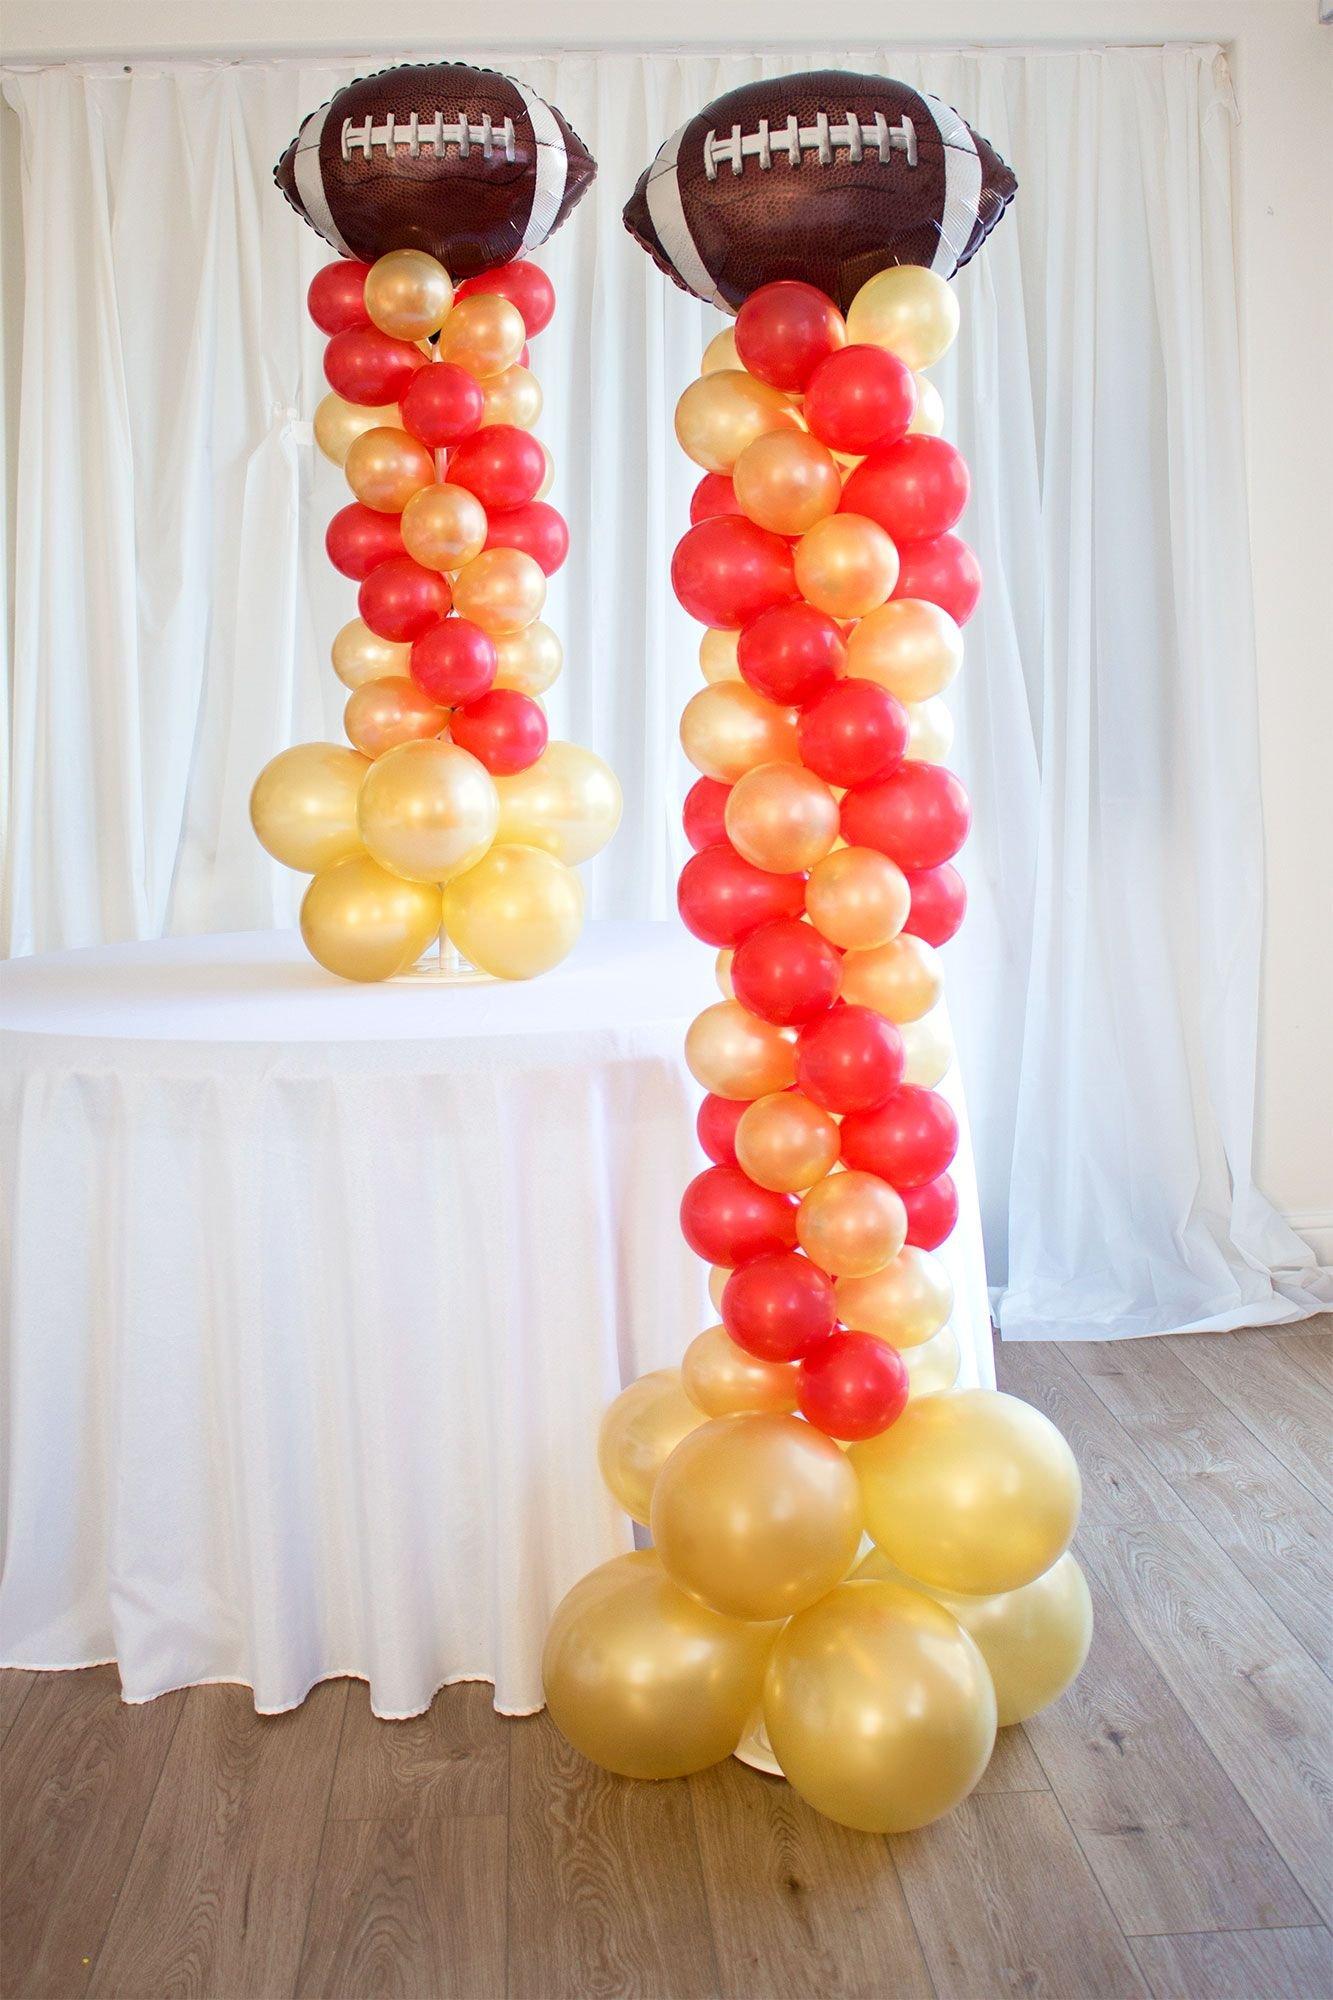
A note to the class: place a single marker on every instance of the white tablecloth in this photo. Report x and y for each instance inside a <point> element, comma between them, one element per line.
<point>314,1296</point>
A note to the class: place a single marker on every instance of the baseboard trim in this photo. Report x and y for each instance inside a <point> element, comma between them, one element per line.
<point>1315,1226</point>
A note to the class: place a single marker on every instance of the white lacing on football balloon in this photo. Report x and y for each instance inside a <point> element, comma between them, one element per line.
<point>428,135</point>
<point>824,139</point>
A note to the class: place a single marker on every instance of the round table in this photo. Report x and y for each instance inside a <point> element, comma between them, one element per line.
<point>315,1294</point>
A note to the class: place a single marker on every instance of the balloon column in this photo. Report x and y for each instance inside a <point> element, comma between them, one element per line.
<point>823,564</point>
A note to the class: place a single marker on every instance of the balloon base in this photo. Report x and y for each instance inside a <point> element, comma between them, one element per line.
<point>445,965</point>
<point>755,1749</point>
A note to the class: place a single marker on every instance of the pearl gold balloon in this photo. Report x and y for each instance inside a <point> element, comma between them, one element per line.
<point>879,1707</point>
<point>851,1224</point>
<point>444,527</point>
<point>846,566</point>
<point>856,897</point>
<point>786,1143</point>
<point>721,353</point>
<point>727,729</point>
<point>717,1284</point>
<point>930,731</point>
<point>905,1303</point>
<point>757,1516</point>
<point>927,1050</point>
<point>502,590</point>
<point>786,481</point>
<point>529,660</point>
<point>548,477</point>
<point>303,805</point>
<point>722,1380</point>
<point>736,1055</point>
<point>483,334</point>
<point>360,655</point>
<point>385,467</point>
<point>722,973</point>
<point>782,818</point>
<point>338,423</point>
<point>516,914</point>
<point>717,655</point>
<point>901,979</point>
<point>910,647</point>
<point>928,417</point>
<point>362,922</point>
<point>408,294</point>
<point>645,1680</point>
<point>639,1432</point>
<point>971,1490</point>
<point>515,397</point>
<point>935,1365</point>
<point>385,713</point>
<point>568,802</point>
<point>909,310</point>
<point>723,412</point>
<point>428,810</point>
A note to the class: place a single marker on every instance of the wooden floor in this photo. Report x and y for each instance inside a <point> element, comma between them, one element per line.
<point>1162,1831</point>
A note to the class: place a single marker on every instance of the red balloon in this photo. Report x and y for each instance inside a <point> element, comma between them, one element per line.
<point>501,464</point>
<point>943,571</point>
<point>704,813</point>
<point>939,901</point>
<point>860,397</point>
<point>536,528</point>
<point>400,600</point>
<point>454,662</point>
<point>855,732</point>
<point>727,570</point>
<point>779,1307</point>
<point>909,1139</point>
<point>337,296</point>
<point>443,405</point>
<point>357,540</point>
<point>784,331</point>
<point>852,1386</point>
<point>918,815</point>
<point>366,366</point>
<point>915,489</point>
<point>506,730</point>
<point>932,1211</point>
<point>716,1126</point>
<point>726,1218</point>
<point>850,1059</point>
<point>792,654</point>
<point>714,495</point>
<point>722,897</point>
<point>786,972</point>
<point>524,285</point>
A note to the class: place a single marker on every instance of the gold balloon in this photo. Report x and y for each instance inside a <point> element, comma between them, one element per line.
<point>515,397</point>
<point>846,565</point>
<point>971,1490</point>
<point>568,802</point>
<point>786,1143</point>
<point>428,810</point>
<point>905,1303</point>
<point>362,922</point>
<point>933,1366</point>
<point>645,1680</point>
<point>901,979</point>
<point>786,481</point>
<point>756,1515</point>
<point>529,660</point>
<point>782,818</point>
<point>502,590</point>
<point>722,1380</point>
<point>907,309</point>
<point>734,1054</point>
<point>717,655</point>
<point>851,1224</point>
<point>338,423</point>
<point>856,897</point>
<point>408,294</point>
<point>928,417</point>
<point>360,655</point>
<point>721,413</point>
<point>639,1432</point>
<point>484,334</point>
<point>548,477</point>
<point>303,805</point>
<point>717,1284</point>
<point>928,1050</point>
<point>721,352</point>
<point>384,713</point>
<point>517,913</point>
<point>879,1707</point>
<point>727,729</point>
<point>930,731</point>
<point>444,527</point>
<point>385,467</point>
<point>910,647</point>
<point>722,973</point>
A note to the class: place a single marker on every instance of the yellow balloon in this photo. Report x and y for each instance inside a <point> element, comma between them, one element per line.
<point>484,334</point>
<point>408,294</point>
<point>879,1707</point>
<point>734,1054</point>
<point>639,1432</point>
<point>717,1284</point>
<point>846,565</point>
<point>516,914</point>
<point>722,973</point>
<point>905,1303</point>
<point>727,729</point>
<point>444,527</point>
<point>856,897</point>
<point>901,979</point>
<point>362,922</point>
<point>786,1143</point>
<point>568,802</point>
<point>928,417</point>
<point>529,660</point>
<point>360,655</point>
<point>851,1224</point>
<point>515,397</point>
<point>910,647</point>
<point>721,413</point>
<point>338,423</point>
<point>303,805</point>
<point>782,818</point>
<point>384,713</point>
<point>786,481</point>
<point>428,810</point>
<point>717,655</point>
<point>971,1490</point>
<point>756,1515</point>
<point>385,467</point>
<point>935,1365</point>
<point>907,309</point>
<point>645,1680</point>
<point>502,590</point>
<point>930,731</point>
<point>927,1050</point>
<point>722,1380</point>
<point>721,352</point>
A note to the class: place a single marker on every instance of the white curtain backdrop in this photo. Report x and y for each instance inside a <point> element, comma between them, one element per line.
<point>174,607</point>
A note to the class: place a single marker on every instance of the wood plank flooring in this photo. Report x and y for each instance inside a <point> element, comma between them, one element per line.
<point>1162,1833</point>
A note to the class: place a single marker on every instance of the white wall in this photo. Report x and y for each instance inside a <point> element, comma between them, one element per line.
<point>1282,62</point>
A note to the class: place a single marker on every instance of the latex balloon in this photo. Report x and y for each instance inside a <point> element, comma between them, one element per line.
<point>720,352</point>
<point>786,973</point>
<point>845,565</point>
<point>727,570</point>
<point>727,729</point>
<point>757,1516</point>
<point>857,899</point>
<point>932,1211</point>
<point>517,913</point>
<point>927,1050</point>
<point>502,590</point>
<point>915,488</point>
<point>444,526</point>
<point>778,1306</point>
<point>909,1139</point>
<point>784,330</point>
<point>514,397</point>
<point>548,477</point>
<point>484,334</point>
<point>536,528</point>
<point>722,898</point>
<point>849,1060</point>
<point>337,296</point>
<point>726,1219</point>
<point>930,735</point>
<point>851,1224</point>
<point>734,1055</point>
<point>853,1386</point>
<point>360,655</point>
<point>715,1126</point>
<point>907,309</point>
<point>785,1142</point>
<point>934,1365</point>
<point>919,815</point>
<point>303,805</point>
<point>645,1680</point>
<point>908,646</point>
<point>722,1380</point>
<point>454,662</point>
<point>971,1490</point>
<point>791,654</point>
<point>725,410</point>
<point>939,903</point>
<point>428,811</point>
<point>787,480</point>
<point>901,979</point>
<point>703,815</point>
<point>408,293</point>
<point>853,733</point>
<point>524,284</point>
<point>568,803</point>
<point>714,495</point>
<point>362,922</point>
<point>860,397</point>
<point>784,819</point>
<point>944,571</point>
<point>505,731</point>
<point>357,540</point>
<point>722,973</point>
<point>905,1303</point>
<point>363,365</point>
<point>400,600</point>
<point>717,655</point>
<point>384,713</point>
<point>639,1432</point>
<point>879,1707</point>
<point>501,465</point>
<point>338,423</point>
<point>929,415</point>
<point>443,405</point>
<point>528,660</point>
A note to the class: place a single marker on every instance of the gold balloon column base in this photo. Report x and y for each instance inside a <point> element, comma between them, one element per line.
<point>755,1749</point>
<point>445,965</point>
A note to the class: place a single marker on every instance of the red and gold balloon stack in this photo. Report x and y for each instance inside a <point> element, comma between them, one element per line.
<point>822,561</point>
<point>451,807</point>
